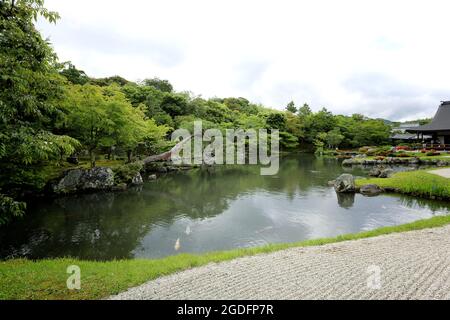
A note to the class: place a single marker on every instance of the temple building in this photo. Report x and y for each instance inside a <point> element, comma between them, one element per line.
<point>401,135</point>
<point>438,129</point>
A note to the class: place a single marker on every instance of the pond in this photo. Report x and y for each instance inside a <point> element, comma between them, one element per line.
<point>200,211</point>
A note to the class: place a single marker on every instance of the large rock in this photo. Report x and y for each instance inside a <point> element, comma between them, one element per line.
<point>98,178</point>
<point>375,172</point>
<point>386,173</point>
<point>137,180</point>
<point>69,182</point>
<point>78,180</point>
<point>370,190</point>
<point>345,183</point>
<point>348,162</point>
<point>442,163</point>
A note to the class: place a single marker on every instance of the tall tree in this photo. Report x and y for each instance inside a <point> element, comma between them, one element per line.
<point>291,107</point>
<point>304,111</point>
<point>87,119</point>
<point>30,96</point>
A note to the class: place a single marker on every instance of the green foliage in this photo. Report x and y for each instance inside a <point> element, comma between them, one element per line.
<point>30,94</point>
<point>304,111</point>
<point>158,84</point>
<point>334,138</point>
<point>87,119</point>
<point>126,172</point>
<point>102,117</point>
<point>10,209</point>
<point>276,121</point>
<point>104,82</point>
<point>288,141</point>
<point>369,132</point>
<point>73,75</point>
<point>291,107</point>
<point>319,142</point>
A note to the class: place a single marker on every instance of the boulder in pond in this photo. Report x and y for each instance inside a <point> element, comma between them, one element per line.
<point>345,183</point>
<point>79,180</point>
<point>137,179</point>
<point>386,173</point>
<point>375,172</point>
<point>98,178</point>
<point>370,190</point>
<point>69,182</point>
<point>347,162</point>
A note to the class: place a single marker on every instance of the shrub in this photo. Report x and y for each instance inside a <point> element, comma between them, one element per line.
<point>125,173</point>
<point>383,151</point>
<point>433,153</point>
<point>363,149</point>
<point>402,155</point>
<point>9,209</point>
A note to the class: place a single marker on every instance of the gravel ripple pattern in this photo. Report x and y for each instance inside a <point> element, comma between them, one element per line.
<point>411,265</point>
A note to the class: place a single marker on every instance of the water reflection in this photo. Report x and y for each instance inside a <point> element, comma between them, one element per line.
<point>200,211</point>
<point>346,200</point>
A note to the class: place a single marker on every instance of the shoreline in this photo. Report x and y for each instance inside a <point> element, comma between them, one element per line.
<point>46,279</point>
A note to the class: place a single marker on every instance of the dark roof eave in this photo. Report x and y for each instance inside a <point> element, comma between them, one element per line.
<point>427,130</point>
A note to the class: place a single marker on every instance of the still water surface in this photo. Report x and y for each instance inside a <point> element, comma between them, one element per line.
<point>232,207</point>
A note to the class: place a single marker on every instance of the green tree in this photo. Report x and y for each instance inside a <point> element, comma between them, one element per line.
<point>30,95</point>
<point>276,121</point>
<point>319,142</point>
<point>87,119</point>
<point>291,107</point>
<point>334,138</point>
<point>294,126</point>
<point>304,111</point>
<point>161,85</point>
<point>129,129</point>
<point>104,82</point>
<point>288,141</point>
<point>73,75</point>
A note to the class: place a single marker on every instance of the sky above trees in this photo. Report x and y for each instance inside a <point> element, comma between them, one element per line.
<point>381,58</point>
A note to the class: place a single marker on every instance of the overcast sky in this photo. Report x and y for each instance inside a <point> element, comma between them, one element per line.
<point>387,59</point>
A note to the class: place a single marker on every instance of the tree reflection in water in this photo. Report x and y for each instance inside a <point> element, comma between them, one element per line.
<point>229,207</point>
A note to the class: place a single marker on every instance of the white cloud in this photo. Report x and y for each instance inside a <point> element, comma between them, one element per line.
<point>377,57</point>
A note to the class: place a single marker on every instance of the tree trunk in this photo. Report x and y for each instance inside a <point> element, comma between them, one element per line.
<point>92,156</point>
<point>167,155</point>
<point>129,155</point>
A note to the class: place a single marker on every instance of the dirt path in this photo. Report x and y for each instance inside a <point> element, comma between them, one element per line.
<point>441,172</point>
<point>413,265</point>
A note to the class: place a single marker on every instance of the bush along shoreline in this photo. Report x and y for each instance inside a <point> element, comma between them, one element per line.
<point>119,178</point>
<point>414,161</point>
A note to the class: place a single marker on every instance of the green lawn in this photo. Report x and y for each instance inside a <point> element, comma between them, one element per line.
<point>46,279</point>
<point>418,183</point>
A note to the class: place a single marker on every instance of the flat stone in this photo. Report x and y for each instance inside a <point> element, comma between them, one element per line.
<point>370,190</point>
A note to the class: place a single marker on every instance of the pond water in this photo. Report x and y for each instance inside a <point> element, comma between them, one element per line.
<point>201,211</point>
